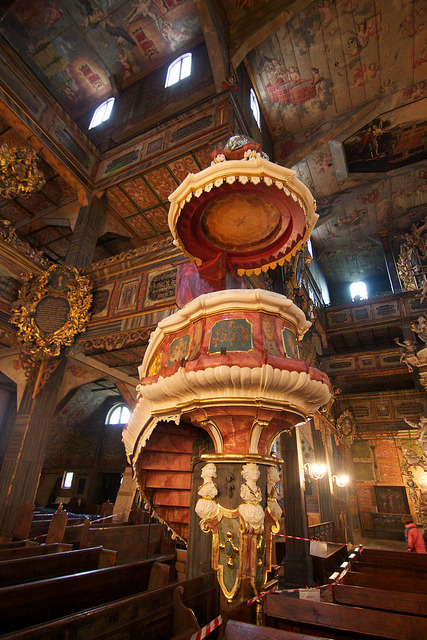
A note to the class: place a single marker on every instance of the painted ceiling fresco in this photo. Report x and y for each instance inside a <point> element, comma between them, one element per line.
<point>352,75</point>
<point>394,139</point>
<point>74,46</point>
<point>335,55</point>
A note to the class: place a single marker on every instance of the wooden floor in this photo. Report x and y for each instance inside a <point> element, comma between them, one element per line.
<point>387,545</point>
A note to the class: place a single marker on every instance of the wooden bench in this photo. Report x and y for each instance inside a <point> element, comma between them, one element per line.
<point>23,570</point>
<point>33,550</point>
<point>56,597</point>
<point>389,572</point>
<point>132,542</point>
<point>394,559</point>
<point>148,615</point>
<point>235,630</point>
<point>337,620</point>
<point>370,598</point>
<point>378,581</point>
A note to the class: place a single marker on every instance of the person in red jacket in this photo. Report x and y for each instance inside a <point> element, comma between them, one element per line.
<point>413,536</point>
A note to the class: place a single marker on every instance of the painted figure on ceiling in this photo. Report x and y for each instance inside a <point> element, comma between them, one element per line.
<point>142,9</point>
<point>96,17</point>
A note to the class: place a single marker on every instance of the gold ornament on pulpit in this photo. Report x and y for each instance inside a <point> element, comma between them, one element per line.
<point>19,175</point>
<point>50,311</point>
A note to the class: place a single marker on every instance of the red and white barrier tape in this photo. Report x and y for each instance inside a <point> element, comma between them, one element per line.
<point>264,593</point>
<point>206,630</point>
<point>282,535</point>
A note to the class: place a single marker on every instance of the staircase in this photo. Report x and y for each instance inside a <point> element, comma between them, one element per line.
<point>164,472</point>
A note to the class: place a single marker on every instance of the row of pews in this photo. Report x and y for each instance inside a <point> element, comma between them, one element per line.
<point>63,593</point>
<point>378,595</point>
<point>133,540</point>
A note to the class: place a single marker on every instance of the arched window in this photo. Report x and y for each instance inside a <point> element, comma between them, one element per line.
<point>102,113</point>
<point>255,108</point>
<point>118,415</point>
<point>178,70</point>
<point>358,291</point>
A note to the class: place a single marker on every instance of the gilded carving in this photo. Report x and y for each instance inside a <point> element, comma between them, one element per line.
<point>251,510</point>
<point>51,310</point>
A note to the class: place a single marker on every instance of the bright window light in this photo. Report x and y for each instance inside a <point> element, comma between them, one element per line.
<point>178,70</point>
<point>102,113</point>
<point>255,108</point>
<point>358,291</point>
<point>119,415</point>
<point>67,480</point>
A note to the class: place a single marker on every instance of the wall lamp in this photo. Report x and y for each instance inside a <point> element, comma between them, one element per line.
<point>315,471</point>
<point>341,481</point>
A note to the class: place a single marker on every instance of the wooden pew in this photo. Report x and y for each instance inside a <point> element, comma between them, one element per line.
<point>393,559</point>
<point>33,550</point>
<point>132,542</point>
<point>18,544</point>
<point>370,598</point>
<point>146,615</point>
<point>235,630</point>
<point>340,621</point>
<point>56,597</point>
<point>22,570</point>
<point>378,581</point>
<point>389,572</point>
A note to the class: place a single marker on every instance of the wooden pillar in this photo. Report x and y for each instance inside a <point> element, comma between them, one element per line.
<point>298,568</point>
<point>25,453</point>
<point>26,450</point>
<point>325,498</point>
<point>89,226</point>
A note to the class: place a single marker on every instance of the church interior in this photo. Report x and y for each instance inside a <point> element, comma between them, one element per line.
<point>213,311</point>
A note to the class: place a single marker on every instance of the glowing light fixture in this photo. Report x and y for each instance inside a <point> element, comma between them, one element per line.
<point>315,471</point>
<point>341,481</point>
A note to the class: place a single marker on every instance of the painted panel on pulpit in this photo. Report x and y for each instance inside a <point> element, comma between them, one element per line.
<point>290,344</point>
<point>232,335</point>
<point>179,349</point>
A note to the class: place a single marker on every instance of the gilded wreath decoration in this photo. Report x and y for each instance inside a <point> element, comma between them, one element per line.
<point>51,310</point>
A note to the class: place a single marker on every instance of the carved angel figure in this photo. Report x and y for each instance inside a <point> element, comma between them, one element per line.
<point>272,492</point>
<point>421,425</point>
<point>206,506</point>
<point>251,510</point>
<point>420,327</point>
<point>407,353</point>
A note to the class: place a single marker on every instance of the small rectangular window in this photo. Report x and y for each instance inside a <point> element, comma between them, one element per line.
<point>67,480</point>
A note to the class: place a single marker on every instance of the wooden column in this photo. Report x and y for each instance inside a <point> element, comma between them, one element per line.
<point>89,226</point>
<point>26,450</point>
<point>25,453</point>
<point>298,568</point>
<point>325,498</point>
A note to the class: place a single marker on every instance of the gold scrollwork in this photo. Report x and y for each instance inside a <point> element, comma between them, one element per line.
<point>43,300</point>
<point>229,548</point>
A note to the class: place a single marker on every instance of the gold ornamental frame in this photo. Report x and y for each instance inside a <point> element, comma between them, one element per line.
<point>59,281</point>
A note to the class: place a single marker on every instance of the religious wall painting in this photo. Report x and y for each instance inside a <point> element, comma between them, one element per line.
<point>128,295</point>
<point>394,139</point>
<point>268,324</point>
<point>231,335</point>
<point>101,301</point>
<point>391,499</point>
<point>290,344</point>
<point>160,287</point>
<point>179,349</point>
